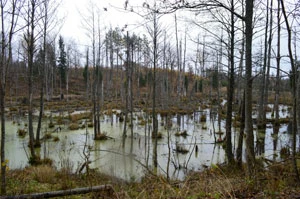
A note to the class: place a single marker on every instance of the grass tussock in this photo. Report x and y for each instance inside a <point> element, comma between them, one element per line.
<point>90,124</point>
<point>47,136</point>
<point>59,120</point>
<point>203,118</point>
<point>142,122</point>
<point>56,138</point>
<point>158,136</point>
<point>102,136</point>
<point>22,132</point>
<point>42,174</point>
<point>74,126</point>
<point>180,148</point>
<point>80,116</point>
<point>51,125</point>
<point>183,133</point>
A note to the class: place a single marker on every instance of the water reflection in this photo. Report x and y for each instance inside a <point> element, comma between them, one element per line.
<point>129,157</point>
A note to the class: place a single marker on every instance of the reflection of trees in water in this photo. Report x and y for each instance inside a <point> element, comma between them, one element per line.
<point>275,139</point>
<point>260,142</point>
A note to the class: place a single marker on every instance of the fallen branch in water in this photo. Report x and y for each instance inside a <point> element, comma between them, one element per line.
<point>76,191</point>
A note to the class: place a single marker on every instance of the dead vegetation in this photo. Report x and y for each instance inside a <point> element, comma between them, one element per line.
<point>275,181</point>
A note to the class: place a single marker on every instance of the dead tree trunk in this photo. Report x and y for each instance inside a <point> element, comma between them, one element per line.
<point>276,104</point>
<point>107,188</point>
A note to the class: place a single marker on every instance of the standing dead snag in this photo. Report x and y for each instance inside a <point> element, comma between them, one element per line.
<point>103,188</point>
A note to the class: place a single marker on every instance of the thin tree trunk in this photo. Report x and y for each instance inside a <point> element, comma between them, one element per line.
<point>230,90</point>
<point>38,130</point>
<point>42,76</point>
<point>154,116</point>
<point>126,84</point>
<point>240,82</point>
<point>178,51</point>
<point>111,60</point>
<point>4,64</point>
<point>131,90</point>
<point>184,88</point>
<point>250,155</point>
<point>261,111</point>
<point>3,163</point>
<point>239,150</point>
<point>99,82</point>
<point>2,104</point>
<point>266,93</point>
<point>30,41</point>
<point>294,90</point>
<point>276,104</point>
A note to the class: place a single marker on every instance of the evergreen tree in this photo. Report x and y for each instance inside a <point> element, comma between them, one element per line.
<point>62,61</point>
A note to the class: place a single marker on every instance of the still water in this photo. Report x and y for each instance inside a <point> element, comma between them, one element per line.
<point>130,158</point>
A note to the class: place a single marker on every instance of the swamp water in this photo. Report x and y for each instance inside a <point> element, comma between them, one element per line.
<point>128,158</point>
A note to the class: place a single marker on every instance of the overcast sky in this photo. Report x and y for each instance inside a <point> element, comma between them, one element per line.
<point>114,16</point>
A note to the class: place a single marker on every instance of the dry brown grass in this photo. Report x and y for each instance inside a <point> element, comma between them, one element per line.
<point>76,117</point>
<point>73,126</point>
<point>216,182</point>
<point>43,174</point>
<point>101,136</point>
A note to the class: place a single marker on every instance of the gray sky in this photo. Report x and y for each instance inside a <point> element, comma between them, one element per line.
<point>112,17</point>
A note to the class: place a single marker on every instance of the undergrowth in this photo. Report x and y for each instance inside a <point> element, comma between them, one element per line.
<point>274,181</point>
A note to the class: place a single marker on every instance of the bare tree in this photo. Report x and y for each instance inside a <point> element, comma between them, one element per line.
<point>49,8</point>
<point>264,87</point>
<point>91,22</point>
<point>205,5</point>
<point>31,35</point>
<point>250,155</point>
<point>154,31</point>
<point>153,26</point>
<point>9,11</point>
<point>278,58</point>
<point>295,91</point>
<point>226,20</point>
<point>230,90</point>
<point>178,51</point>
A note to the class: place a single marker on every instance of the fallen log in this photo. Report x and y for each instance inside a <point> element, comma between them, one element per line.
<point>76,191</point>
